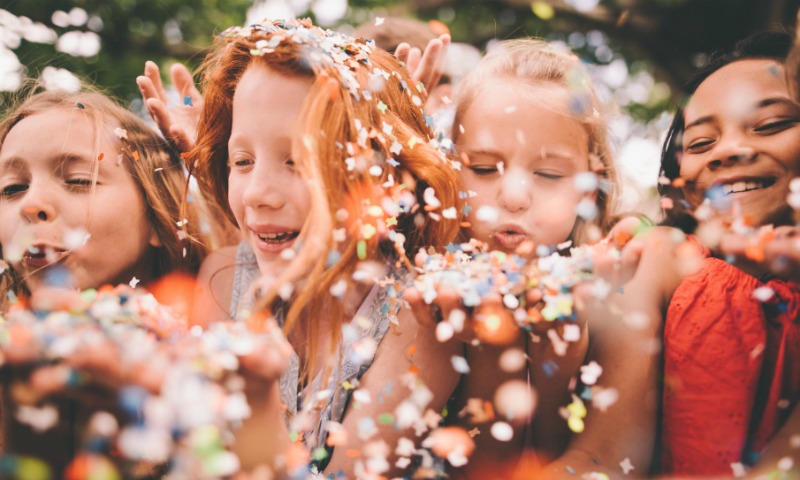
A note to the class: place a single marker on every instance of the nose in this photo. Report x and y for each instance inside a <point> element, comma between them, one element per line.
<point>37,205</point>
<point>264,188</point>
<point>730,151</point>
<point>515,191</point>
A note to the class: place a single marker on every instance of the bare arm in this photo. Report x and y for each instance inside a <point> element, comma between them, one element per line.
<point>410,347</point>
<point>625,335</point>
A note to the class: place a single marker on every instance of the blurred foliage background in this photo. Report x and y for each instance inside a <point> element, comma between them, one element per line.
<point>640,52</point>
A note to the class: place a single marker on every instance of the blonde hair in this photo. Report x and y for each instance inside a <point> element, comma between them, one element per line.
<point>154,165</point>
<point>362,106</point>
<point>537,62</point>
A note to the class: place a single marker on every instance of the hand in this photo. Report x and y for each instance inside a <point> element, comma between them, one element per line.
<point>426,67</point>
<point>778,249</point>
<point>179,123</point>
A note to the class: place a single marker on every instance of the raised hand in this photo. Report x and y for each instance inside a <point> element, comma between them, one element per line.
<point>425,67</point>
<point>178,123</point>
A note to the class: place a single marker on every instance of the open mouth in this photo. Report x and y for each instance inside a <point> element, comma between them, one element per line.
<point>39,256</point>
<point>746,186</point>
<point>280,237</point>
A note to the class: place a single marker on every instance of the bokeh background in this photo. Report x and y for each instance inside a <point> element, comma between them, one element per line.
<point>640,52</point>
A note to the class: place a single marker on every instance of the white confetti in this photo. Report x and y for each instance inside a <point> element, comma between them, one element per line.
<point>460,364</point>
<point>591,372</point>
<point>502,431</point>
<point>39,419</point>
<point>444,331</point>
<point>626,466</point>
<point>763,294</point>
<point>487,214</point>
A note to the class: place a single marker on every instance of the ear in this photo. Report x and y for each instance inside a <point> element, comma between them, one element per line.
<point>155,241</point>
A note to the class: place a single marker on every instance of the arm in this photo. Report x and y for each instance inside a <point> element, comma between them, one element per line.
<point>384,382</point>
<point>781,454</point>
<point>630,358</point>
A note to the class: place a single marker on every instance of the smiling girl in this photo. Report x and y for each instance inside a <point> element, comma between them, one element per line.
<point>315,145</point>
<point>731,338</point>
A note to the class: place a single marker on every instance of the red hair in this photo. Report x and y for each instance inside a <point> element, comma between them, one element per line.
<point>361,107</point>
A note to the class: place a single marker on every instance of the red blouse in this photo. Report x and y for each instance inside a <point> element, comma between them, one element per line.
<point>731,368</point>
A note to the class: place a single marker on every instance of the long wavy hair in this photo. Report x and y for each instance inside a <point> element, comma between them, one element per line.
<point>536,62</point>
<point>363,109</point>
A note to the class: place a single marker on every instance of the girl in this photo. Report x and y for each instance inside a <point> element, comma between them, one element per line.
<point>315,145</point>
<point>64,208</point>
<point>731,358</point>
<point>89,196</point>
<point>534,148</point>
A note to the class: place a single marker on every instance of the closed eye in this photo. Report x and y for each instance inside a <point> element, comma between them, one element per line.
<point>699,145</point>
<point>548,175</point>
<point>79,183</point>
<point>777,125</point>
<point>483,170</point>
<point>11,190</point>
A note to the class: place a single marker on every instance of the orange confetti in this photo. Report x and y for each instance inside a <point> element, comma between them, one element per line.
<point>413,370</point>
<point>100,157</point>
<point>754,251</point>
<point>412,350</point>
<point>135,154</point>
<point>438,27</point>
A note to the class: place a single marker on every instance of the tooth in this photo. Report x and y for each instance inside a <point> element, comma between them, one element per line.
<point>739,187</point>
<point>727,189</point>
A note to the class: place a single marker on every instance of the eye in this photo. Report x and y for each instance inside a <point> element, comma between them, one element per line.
<point>699,145</point>
<point>11,190</point>
<point>548,175</point>
<point>775,125</point>
<point>483,170</point>
<point>79,183</point>
<point>240,162</point>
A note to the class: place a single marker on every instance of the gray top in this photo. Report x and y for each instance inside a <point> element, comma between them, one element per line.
<point>360,339</point>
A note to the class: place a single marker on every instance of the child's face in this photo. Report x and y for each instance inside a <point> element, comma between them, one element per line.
<point>49,213</point>
<point>524,150</point>
<point>269,199</point>
<point>742,139</point>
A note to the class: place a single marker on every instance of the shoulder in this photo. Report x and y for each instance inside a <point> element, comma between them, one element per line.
<point>215,285</point>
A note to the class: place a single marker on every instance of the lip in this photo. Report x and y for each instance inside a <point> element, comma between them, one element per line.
<point>509,236</point>
<point>742,185</point>
<point>40,255</point>
<point>276,245</point>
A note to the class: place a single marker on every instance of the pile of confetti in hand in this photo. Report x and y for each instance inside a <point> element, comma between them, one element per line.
<point>530,291</point>
<point>180,423</point>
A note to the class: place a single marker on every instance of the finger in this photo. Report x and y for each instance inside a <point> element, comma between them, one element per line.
<point>184,82</point>
<point>429,71</point>
<point>152,72</point>
<point>448,300</point>
<point>419,308</point>
<point>401,53</point>
<point>439,56</point>
<point>181,139</point>
<point>158,110</point>
<point>412,63</point>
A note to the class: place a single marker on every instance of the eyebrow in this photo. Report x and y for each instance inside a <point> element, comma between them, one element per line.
<point>761,104</point>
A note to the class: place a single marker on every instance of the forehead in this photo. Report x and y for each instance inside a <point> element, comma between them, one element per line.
<point>264,89</point>
<point>518,113</point>
<point>54,129</point>
<point>735,89</point>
